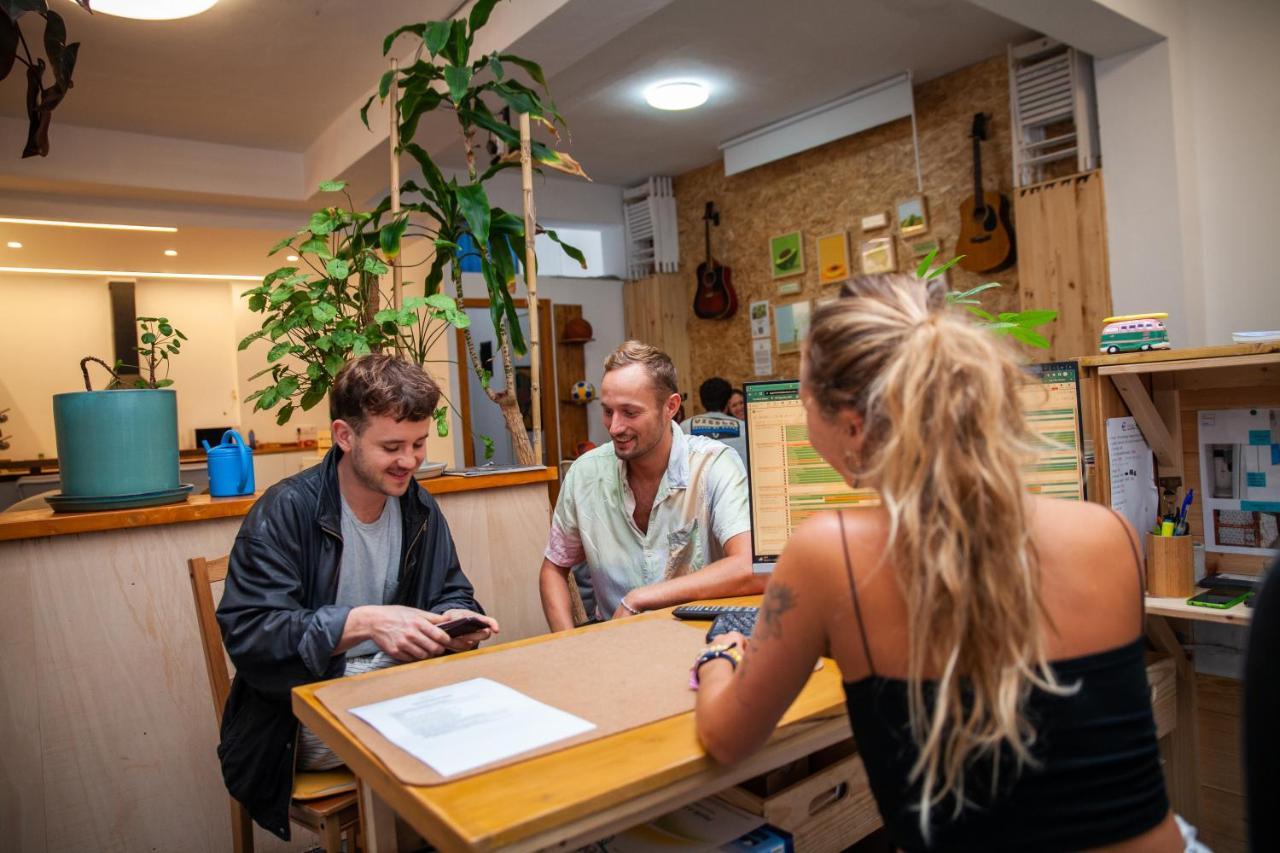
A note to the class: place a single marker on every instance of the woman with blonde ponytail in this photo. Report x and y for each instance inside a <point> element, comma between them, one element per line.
<point>990,640</point>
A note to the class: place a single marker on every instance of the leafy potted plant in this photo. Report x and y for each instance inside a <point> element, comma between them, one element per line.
<point>327,307</point>
<point>118,447</point>
<point>1020,325</point>
<point>445,76</point>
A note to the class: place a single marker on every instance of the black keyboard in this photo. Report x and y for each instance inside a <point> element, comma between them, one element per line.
<point>741,621</point>
<point>709,611</point>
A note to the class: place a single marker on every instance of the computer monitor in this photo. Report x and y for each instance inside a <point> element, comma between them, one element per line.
<point>1051,401</point>
<point>788,481</point>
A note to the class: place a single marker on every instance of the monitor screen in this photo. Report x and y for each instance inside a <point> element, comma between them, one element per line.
<point>1051,402</point>
<point>788,480</point>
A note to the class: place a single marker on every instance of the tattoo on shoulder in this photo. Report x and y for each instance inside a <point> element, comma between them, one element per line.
<point>778,599</point>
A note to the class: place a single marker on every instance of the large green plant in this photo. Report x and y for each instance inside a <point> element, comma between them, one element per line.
<point>1020,325</point>
<point>327,307</point>
<point>41,99</point>
<point>445,76</point>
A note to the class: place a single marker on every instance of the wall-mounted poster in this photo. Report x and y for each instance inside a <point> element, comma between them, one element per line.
<point>911,217</point>
<point>786,255</point>
<point>791,322</point>
<point>878,256</point>
<point>762,356</point>
<point>1240,480</point>
<point>833,258</point>
<point>759,313</point>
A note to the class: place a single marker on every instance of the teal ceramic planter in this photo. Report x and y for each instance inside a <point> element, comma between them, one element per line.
<point>117,442</point>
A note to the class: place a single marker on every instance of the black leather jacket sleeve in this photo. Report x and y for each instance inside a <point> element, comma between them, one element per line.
<point>274,633</point>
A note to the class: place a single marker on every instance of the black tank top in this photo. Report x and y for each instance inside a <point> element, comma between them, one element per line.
<point>1097,777</point>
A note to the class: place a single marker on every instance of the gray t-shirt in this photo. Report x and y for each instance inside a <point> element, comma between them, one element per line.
<point>369,572</point>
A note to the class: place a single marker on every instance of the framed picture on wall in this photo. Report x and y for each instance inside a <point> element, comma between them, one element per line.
<point>878,255</point>
<point>912,218</point>
<point>791,323</point>
<point>833,258</point>
<point>786,255</point>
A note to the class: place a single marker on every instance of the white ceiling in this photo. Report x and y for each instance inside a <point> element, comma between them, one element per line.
<point>258,98</point>
<point>765,60</point>
<point>258,73</point>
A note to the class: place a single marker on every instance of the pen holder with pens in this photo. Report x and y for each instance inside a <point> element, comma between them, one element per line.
<point>1170,567</point>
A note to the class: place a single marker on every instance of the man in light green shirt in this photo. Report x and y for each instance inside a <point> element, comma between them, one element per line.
<point>660,517</point>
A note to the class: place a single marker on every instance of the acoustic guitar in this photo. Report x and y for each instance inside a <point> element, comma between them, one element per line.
<point>714,298</point>
<point>986,234</point>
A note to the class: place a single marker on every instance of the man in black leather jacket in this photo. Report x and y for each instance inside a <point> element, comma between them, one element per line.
<point>282,616</point>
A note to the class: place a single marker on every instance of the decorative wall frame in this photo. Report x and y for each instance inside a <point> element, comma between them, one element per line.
<point>833,257</point>
<point>786,255</point>
<point>912,216</point>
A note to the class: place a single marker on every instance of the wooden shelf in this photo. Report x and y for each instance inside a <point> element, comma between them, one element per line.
<point>36,523</point>
<point>1177,608</point>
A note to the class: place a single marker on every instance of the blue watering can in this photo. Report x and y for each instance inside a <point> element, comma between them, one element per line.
<point>230,466</point>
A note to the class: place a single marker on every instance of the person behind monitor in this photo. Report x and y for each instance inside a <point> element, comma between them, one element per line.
<point>714,422</point>
<point>659,517</point>
<point>737,405</point>
<point>990,641</point>
<point>344,568</point>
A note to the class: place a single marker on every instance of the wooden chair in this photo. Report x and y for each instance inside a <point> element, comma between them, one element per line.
<point>323,802</point>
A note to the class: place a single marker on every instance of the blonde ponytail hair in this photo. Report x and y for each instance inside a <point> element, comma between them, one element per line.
<point>945,444</point>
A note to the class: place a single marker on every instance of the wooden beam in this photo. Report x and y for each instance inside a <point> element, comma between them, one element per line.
<point>1153,427</point>
<point>1182,771</point>
<point>1191,364</point>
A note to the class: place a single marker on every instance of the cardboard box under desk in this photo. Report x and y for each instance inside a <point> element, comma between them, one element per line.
<point>826,806</point>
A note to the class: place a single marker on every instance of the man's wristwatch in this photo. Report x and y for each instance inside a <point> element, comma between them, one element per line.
<point>728,651</point>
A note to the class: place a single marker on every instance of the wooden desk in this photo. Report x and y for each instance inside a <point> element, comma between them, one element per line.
<point>1182,760</point>
<point>580,794</point>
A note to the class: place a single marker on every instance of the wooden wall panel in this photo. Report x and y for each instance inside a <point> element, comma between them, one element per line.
<point>105,713</point>
<point>1062,259</point>
<point>830,188</point>
<point>657,311</point>
<point>1223,825</point>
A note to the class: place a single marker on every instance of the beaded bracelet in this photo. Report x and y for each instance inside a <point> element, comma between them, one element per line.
<point>629,608</point>
<point>728,651</point>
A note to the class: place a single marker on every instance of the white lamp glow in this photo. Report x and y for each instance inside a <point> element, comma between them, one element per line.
<point>14,244</point>
<point>171,253</point>
<point>153,10</point>
<point>676,95</point>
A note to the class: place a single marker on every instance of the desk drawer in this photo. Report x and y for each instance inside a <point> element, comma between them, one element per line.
<point>1162,676</point>
<point>827,810</point>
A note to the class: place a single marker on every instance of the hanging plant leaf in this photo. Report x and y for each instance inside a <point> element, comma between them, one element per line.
<point>571,251</point>
<point>8,45</point>
<point>480,14</point>
<point>531,68</point>
<point>474,204</point>
<point>416,29</point>
<point>458,77</point>
<point>437,34</point>
<point>389,236</point>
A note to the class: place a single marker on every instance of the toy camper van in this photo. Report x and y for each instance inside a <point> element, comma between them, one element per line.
<point>1134,333</point>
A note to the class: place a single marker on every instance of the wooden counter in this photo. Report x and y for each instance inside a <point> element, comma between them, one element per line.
<point>105,711</point>
<point>29,524</point>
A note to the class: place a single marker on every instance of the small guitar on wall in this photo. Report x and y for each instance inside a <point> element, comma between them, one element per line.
<point>986,234</point>
<point>714,299</point>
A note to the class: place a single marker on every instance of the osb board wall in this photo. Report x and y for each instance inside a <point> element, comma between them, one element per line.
<point>831,188</point>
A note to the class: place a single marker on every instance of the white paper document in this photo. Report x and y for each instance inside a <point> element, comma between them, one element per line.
<point>463,726</point>
<point>762,355</point>
<point>1132,469</point>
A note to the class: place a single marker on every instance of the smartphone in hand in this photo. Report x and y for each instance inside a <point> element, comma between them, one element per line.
<point>464,625</point>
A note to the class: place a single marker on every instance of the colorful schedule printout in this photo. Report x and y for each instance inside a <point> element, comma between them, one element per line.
<point>789,481</point>
<point>1051,401</point>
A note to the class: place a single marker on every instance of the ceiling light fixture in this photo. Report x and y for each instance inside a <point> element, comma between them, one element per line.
<point>14,244</point>
<point>61,223</point>
<point>171,253</point>
<point>676,95</point>
<point>153,10</point>
<point>291,257</point>
<point>131,274</point>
